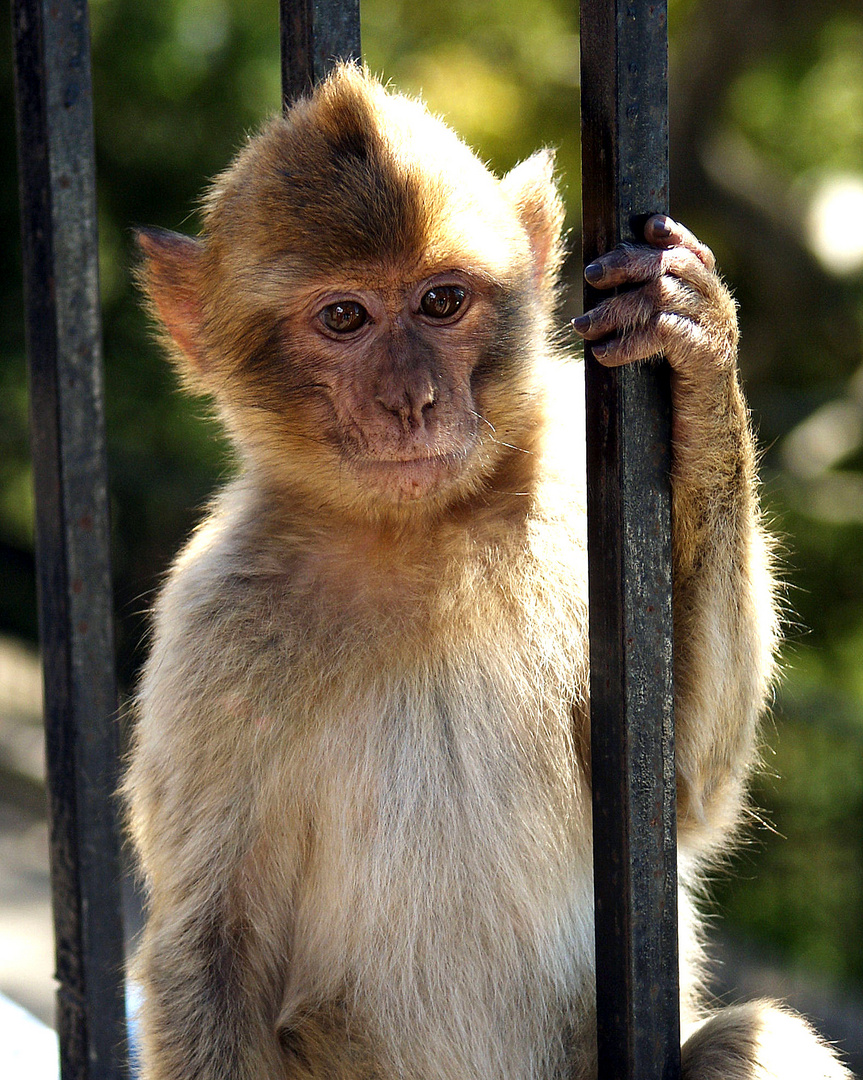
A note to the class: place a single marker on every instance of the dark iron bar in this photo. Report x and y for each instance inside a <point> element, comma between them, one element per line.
<point>58,211</point>
<point>315,33</point>
<point>625,178</point>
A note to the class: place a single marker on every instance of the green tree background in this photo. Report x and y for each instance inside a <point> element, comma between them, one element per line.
<point>767,167</point>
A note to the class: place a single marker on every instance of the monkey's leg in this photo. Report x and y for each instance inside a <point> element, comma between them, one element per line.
<point>724,616</point>
<point>209,999</point>
<point>214,966</point>
<point>758,1041</point>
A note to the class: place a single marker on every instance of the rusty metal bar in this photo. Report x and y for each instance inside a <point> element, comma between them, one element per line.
<point>315,33</point>
<point>58,213</point>
<point>625,178</point>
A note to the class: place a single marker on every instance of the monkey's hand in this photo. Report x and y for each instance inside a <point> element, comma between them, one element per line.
<point>670,301</point>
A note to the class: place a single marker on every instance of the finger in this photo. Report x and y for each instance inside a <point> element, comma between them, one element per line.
<point>618,352</point>
<point>664,232</point>
<point>631,265</point>
<point>619,314</point>
<point>623,265</point>
<point>681,341</point>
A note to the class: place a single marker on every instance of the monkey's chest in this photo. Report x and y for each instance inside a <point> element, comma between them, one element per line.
<point>447,871</point>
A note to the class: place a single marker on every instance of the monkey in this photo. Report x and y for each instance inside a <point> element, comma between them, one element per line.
<point>359,787</point>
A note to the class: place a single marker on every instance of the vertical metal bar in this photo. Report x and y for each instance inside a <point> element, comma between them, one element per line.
<point>625,178</point>
<point>315,34</point>
<point>58,208</point>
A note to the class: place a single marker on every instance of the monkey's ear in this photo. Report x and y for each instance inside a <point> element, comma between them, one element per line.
<point>170,274</point>
<point>532,188</point>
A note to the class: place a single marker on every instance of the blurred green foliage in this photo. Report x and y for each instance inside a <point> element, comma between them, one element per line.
<point>767,133</point>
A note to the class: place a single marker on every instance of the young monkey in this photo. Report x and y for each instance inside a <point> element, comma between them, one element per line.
<point>359,788</point>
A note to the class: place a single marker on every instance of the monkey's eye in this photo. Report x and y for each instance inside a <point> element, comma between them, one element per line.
<point>344,316</point>
<point>442,301</point>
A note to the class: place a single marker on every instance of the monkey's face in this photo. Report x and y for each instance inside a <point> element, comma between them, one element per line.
<point>395,364</point>
<point>367,303</point>
<point>390,388</point>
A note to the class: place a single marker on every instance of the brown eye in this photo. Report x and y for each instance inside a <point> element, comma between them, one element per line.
<point>344,316</point>
<point>442,302</point>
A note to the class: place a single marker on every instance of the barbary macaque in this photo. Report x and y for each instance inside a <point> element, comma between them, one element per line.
<point>359,788</point>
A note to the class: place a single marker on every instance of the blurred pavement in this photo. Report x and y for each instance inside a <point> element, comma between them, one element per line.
<point>26,935</point>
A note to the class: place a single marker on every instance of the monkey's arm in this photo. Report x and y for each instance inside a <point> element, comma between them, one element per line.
<point>208,985</point>
<point>211,955</point>
<point>724,614</point>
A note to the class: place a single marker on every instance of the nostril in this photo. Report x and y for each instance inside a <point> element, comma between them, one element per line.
<point>410,407</point>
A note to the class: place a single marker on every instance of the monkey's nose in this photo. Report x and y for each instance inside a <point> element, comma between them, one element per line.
<point>411,405</point>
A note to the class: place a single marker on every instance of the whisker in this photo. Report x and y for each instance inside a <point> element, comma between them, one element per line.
<point>496,441</point>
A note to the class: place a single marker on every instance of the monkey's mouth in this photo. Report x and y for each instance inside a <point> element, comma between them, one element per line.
<point>411,478</point>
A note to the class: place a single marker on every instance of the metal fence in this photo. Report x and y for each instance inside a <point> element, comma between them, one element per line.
<point>624,138</point>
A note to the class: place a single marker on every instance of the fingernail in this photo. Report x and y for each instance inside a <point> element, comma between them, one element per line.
<point>582,324</point>
<point>662,228</point>
<point>593,272</point>
<point>599,350</point>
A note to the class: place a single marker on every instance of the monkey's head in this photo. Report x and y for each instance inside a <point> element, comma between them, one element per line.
<point>367,303</point>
